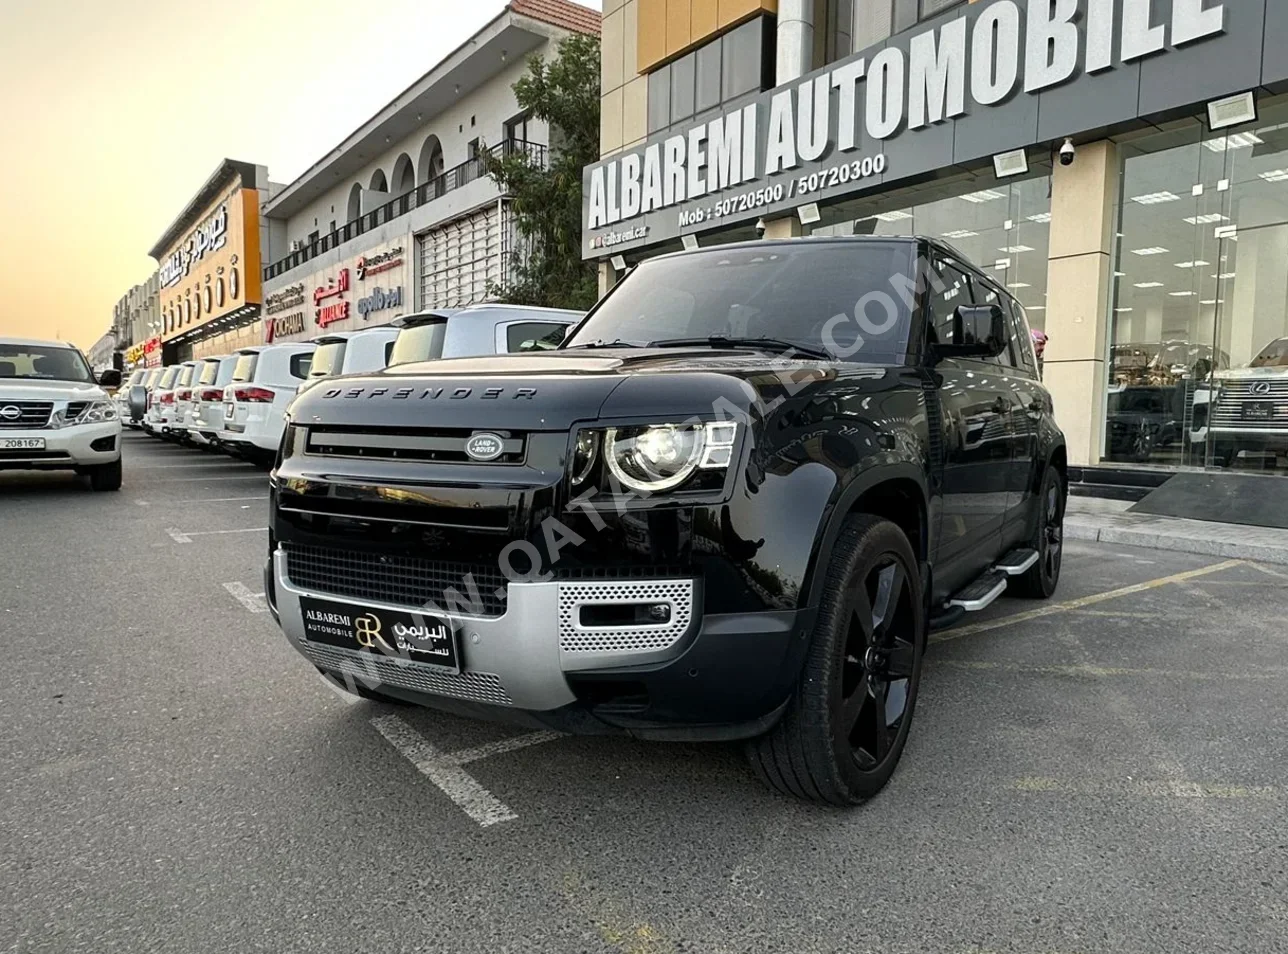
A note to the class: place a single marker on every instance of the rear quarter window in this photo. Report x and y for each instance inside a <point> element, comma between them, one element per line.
<point>301,364</point>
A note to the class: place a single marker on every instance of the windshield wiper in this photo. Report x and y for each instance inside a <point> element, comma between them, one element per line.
<point>764,343</point>
<point>601,343</point>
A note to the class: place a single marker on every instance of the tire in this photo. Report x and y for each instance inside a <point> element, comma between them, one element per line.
<point>1039,581</point>
<point>105,476</point>
<point>836,742</point>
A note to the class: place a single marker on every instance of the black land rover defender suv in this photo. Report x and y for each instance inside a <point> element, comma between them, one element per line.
<point>729,506</point>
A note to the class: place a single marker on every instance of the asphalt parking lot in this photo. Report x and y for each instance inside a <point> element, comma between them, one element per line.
<point>1103,773</point>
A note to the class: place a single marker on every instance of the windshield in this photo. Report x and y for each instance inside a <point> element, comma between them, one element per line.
<point>1275,355</point>
<point>167,378</point>
<point>40,363</point>
<point>805,293</point>
<point>245,368</point>
<point>419,343</point>
<point>328,359</point>
<point>185,376</point>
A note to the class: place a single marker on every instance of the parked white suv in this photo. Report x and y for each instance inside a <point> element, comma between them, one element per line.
<point>183,406</point>
<point>160,414</point>
<point>479,330</point>
<point>264,381</point>
<point>54,415</point>
<point>208,397</point>
<point>350,352</point>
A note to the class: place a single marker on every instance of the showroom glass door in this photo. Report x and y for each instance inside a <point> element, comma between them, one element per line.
<point>1201,298</point>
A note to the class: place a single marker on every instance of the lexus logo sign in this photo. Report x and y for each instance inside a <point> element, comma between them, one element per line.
<point>1261,387</point>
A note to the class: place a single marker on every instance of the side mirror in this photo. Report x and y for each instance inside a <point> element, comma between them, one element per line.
<point>111,378</point>
<point>979,331</point>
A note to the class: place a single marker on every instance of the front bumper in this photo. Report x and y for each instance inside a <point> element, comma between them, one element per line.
<point>65,447</point>
<point>720,677</point>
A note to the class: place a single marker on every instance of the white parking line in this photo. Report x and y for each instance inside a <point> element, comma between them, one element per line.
<point>242,594</point>
<point>213,478</point>
<point>185,536</point>
<point>513,744</point>
<point>457,784</point>
<point>200,463</point>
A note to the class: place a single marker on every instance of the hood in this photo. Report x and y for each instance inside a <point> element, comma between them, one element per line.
<point>552,390</point>
<point>34,389</point>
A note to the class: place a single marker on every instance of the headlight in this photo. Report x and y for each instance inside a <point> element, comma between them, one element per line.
<point>657,457</point>
<point>97,413</point>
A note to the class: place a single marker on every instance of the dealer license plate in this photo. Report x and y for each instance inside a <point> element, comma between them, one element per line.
<point>22,443</point>
<point>1258,411</point>
<point>417,637</point>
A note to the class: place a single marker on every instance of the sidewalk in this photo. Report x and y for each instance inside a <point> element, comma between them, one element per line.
<point>1107,521</point>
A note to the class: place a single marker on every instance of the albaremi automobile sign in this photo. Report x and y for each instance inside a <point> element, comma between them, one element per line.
<point>824,134</point>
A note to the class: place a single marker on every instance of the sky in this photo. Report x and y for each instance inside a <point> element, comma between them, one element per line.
<point>116,111</point>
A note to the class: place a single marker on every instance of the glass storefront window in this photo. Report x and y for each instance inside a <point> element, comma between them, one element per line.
<point>1002,227</point>
<point>1200,301</point>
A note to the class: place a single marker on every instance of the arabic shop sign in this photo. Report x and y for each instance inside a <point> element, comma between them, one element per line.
<point>209,236</point>
<point>292,296</point>
<point>823,136</point>
<point>138,352</point>
<point>369,265</point>
<point>336,311</point>
<point>379,300</point>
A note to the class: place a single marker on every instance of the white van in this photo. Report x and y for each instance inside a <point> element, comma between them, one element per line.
<point>350,352</point>
<point>264,380</point>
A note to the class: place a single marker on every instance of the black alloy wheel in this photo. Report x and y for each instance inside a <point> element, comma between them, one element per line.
<point>1041,579</point>
<point>876,674</point>
<point>845,728</point>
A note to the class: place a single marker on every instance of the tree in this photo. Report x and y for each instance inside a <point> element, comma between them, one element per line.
<point>546,195</point>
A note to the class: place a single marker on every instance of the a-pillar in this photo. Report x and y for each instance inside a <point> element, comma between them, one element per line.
<point>1084,200</point>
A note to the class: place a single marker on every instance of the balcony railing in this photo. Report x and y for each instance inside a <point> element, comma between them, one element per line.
<point>435,188</point>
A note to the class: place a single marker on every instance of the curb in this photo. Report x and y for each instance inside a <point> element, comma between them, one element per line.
<point>1175,541</point>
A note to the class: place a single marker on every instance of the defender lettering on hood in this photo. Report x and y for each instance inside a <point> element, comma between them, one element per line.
<point>433,394</point>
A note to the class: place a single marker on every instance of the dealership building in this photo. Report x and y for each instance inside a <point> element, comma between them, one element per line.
<point>1120,165</point>
<point>208,279</point>
<point>402,216</point>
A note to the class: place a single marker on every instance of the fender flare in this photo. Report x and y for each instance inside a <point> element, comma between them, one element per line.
<point>844,501</point>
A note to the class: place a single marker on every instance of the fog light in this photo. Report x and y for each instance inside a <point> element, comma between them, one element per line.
<point>103,444</point>
<point>659,613</point>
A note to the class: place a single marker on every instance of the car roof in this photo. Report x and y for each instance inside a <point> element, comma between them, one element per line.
<point>337,336</point>
<point>36,342</point>
<point>490,311</point>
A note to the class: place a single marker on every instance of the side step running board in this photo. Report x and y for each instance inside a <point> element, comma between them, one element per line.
<point>981,594</point>
<point>1017,562</point>
<point>992,584</point>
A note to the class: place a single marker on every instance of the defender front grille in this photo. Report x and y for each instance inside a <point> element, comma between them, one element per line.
<point>574,637</point>
<point>471,686</point>
<point>439,445</point>
<point>30,414</point>
<point>400,580</point>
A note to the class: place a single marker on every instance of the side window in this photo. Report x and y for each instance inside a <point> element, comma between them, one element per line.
<point>389,350</point>
<point>300,364</point>
<point>987,294</point>
<point>1022,339</point>
<point>955,290</point>
<point>545,334</point>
